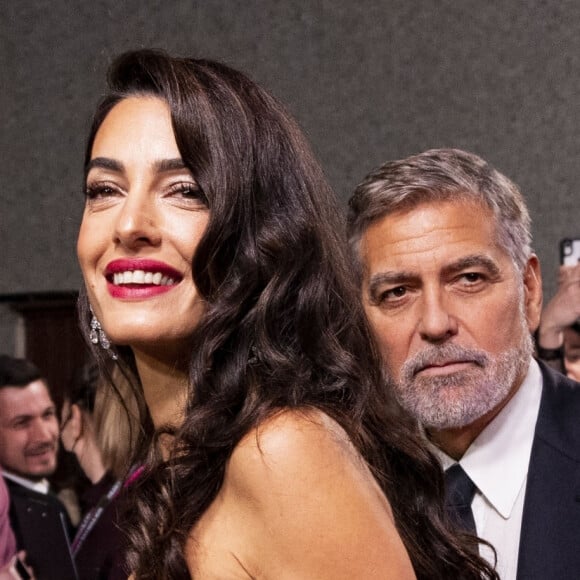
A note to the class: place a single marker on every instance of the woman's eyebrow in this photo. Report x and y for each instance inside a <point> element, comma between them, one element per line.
<point>161,166</point>
<point>105,163</point>
<point>169,165</point>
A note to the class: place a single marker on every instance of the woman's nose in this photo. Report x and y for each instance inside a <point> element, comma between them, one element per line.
<point>136,222</point>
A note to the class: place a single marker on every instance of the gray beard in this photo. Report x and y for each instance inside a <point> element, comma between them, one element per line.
<point>458,399</point>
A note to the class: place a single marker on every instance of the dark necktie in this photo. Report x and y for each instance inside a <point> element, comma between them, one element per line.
<point>459,492</point>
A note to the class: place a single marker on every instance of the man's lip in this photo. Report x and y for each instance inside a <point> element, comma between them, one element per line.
<point>39,452</point>
<point>132,264</point>
<point>443,366</point>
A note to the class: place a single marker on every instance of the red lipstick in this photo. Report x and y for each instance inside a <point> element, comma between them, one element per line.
<point>132,264</point>
<point>137,279</point>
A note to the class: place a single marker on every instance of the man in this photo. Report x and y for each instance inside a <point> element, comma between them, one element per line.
<point>453,293</point>
<point>28,452</point>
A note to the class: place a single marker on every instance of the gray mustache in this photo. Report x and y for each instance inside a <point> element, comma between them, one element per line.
<point>440,355</point>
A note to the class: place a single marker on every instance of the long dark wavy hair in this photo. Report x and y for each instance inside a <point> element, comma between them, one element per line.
<point>283,325</point>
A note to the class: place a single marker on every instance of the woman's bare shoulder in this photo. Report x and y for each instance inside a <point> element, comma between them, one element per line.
<point>306,497</point>
<point>282,445</point>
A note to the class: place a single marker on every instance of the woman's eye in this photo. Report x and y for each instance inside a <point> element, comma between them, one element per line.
<point>100,190</point>
<point>189,191</point>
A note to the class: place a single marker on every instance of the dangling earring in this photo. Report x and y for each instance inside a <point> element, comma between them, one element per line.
<point>97,336</point>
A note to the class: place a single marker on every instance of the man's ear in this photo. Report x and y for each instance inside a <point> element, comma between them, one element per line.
<point>533,292</point>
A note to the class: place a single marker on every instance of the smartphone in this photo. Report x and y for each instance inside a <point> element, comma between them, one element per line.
<point>570,251</point>
<point>21,570</point>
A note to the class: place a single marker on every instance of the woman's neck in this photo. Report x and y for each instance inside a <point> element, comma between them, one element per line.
<point>165,388</point>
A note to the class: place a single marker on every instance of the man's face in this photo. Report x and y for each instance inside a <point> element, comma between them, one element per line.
<point>28,431</point>
<point>451,313</point>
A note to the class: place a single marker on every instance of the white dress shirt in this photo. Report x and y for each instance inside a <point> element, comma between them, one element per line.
<point>497,462</point>
<point>41,486</point>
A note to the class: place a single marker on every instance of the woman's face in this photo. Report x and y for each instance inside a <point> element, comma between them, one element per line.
<point>66,432</point>
<point>143,219</point>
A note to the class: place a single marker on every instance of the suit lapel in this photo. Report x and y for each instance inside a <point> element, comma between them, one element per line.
<point>550,535</point>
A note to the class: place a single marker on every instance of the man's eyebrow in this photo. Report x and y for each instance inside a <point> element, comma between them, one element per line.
<point>20,418</point>
<point>391,277</point>
<point>401,277</point>
<point>475,260</point>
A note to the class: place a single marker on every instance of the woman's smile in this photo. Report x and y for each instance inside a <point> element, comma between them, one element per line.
<point>135,279</point>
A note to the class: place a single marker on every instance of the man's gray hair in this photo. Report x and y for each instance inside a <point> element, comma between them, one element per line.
<point>441,175</point>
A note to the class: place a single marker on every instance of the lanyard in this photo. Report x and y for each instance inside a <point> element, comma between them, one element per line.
<point>91,519</point>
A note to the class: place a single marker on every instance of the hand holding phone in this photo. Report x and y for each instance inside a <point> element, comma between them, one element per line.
<point>21,571</point>
<point>16,569</point>
<point>570,252</point>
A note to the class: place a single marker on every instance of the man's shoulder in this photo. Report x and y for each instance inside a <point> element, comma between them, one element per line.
<point>23,493</point>
<point>559,388</point>
<point>558,422</point>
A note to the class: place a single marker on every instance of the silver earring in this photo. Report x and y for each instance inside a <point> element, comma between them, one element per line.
<point>97,336</point>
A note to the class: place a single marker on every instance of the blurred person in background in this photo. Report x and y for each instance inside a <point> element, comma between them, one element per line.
<point>95,427</point>
<point>558,337</point>
<point>28,450</point>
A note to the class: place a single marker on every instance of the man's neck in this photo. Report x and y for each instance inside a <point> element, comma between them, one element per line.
<point>455,442</point>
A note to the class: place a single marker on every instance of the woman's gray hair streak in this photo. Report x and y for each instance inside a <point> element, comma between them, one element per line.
<point>441,175</point>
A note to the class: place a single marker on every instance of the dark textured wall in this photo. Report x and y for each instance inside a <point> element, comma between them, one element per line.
<point>368,81</point>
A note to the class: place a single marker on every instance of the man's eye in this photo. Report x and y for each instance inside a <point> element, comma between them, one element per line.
<point>472,277</point>
<point>393,294</point>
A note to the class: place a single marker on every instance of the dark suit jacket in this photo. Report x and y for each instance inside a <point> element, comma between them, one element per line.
<point>550,535</point>
<point>47,551</point>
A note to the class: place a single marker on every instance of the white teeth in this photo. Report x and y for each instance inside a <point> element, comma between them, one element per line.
<point>142,277</point>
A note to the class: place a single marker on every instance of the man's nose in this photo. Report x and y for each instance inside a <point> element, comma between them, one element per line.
<point>44,430</point>
<point>437,322</point>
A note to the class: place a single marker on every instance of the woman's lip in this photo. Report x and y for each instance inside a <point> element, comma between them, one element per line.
<point>143,278</point>
<point>132,264</point>
<point>137,291</point>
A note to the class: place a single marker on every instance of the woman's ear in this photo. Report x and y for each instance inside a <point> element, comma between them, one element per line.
<point>76,422</point>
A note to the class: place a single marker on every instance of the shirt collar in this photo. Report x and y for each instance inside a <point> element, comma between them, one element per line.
<point>41,486</point>
<point>497,460</point>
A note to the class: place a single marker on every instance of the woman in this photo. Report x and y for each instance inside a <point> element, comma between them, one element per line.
<point>214,261</point>
<point>95,429</point>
